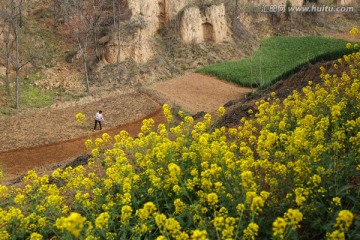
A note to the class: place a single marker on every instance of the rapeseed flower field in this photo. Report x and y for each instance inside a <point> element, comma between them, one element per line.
<point>290,171</point>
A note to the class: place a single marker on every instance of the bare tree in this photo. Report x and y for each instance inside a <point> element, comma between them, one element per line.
<point>6,18</point>
<point>16,62</point>
<point>83,20</point>
<point>93,16</point>
<point>56,12</point>
<point>20,12</point>
<point>116,29</point>
<point>11,13</point>
<point>77,15</point>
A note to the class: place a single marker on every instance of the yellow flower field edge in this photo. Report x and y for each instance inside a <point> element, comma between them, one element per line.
<point>290,171</point>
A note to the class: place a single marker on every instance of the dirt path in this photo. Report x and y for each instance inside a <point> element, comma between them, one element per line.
<point>45,138</point>
<point>43,158</point>
<point>48,138</point>
<point>58,123</point>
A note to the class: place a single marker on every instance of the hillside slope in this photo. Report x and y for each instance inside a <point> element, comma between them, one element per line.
<point>55,151</point>
<point>53,46</point>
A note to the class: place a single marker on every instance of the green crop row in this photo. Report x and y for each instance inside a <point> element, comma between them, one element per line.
<point>277,58</point>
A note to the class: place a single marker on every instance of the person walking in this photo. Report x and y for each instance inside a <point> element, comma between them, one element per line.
<point>98,119</point>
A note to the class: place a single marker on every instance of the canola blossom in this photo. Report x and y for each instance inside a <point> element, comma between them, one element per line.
<point>289,171</point>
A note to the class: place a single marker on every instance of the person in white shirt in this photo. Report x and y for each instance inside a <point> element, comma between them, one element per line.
<point>98,119</point>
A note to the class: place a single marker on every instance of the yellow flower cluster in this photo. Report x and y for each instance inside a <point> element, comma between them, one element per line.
<point>81,118</point>
<point>290,222</point>
<point>169,227</point>
<point>344,220</point>
<point>102,221</point>
<point>191,180</point>
<point>126,212</point>
<point>167,113</point>
<point>220,112</point>
<point>147,211</point>
<point>342,225</point>
<point>74,223</point>
<point>199,235</point>
<point>251,231</point>
<point>354,32</point>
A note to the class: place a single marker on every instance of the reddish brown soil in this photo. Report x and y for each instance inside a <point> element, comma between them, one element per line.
<point>45,158</point>
<point>49,137</point>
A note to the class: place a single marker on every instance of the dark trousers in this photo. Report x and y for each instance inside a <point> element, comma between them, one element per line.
<point>96,122</point>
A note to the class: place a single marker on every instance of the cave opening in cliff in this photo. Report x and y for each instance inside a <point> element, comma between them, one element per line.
<point>208,31</point>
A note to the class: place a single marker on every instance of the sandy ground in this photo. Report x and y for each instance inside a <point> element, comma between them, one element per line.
<point>50,125</point>
<point>45,138</point>
<point>196,92</point>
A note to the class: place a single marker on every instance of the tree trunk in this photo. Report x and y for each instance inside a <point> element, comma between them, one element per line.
<point>7,59</point>
<point>17,64</point>
<point>236,8</point>
<point>114,14</point>
<point>94,28</point>
<point>54,13</point>
<point>116,26</point>
<point>119,41</point>
<point>20,14</point>
<point>83,49</point>
<point>96,51</point>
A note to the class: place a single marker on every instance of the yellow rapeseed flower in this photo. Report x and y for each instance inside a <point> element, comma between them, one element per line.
<point>212,199</point>
<point>81,118</point>
<point>336,201</point>
<point>174,170</point>
<point>251,231</point>
<point>199,235</point>
<point>257,204</point>
<point>102,221</point>
<point>145,213</point>
<point>344,220</point>
<point>219,223</point>
<point>354,31</point>
<point>19,199</point>
<point>4,234</point>
<point>126,213</point>
<point>279,227</point>
<point>358,167</point>
<point>220,112</point>
<point>74,223</point>
<point>293,217</point>
<point>36,236</point>
<point>335,235</point>
<point>179,206</point>
<point>167,113</point>
<point>172,226</point>
<point>147,125</point>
